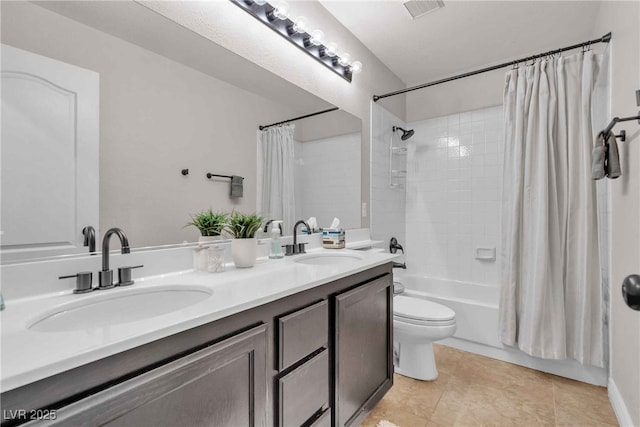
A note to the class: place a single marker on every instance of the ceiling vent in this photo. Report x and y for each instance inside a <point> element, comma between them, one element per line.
<point>418,8</point>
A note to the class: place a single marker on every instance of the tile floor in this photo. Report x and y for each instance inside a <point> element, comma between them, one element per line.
<point>473,390</point>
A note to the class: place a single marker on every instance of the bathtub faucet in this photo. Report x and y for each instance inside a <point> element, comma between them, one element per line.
<point>394,247</point>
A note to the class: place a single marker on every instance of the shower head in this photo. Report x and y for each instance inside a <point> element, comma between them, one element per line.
<point>406,134</point>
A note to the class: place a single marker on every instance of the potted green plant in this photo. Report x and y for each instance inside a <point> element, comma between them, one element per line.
<point>243,229</point>
<point>211,224</point>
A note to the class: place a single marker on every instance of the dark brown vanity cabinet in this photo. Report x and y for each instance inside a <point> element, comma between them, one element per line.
<point>303,365</point>
<point>221,385</point>
<point>318,358</point>
<point>363,349</point>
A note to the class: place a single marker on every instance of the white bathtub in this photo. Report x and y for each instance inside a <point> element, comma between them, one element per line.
<point>476,307</point>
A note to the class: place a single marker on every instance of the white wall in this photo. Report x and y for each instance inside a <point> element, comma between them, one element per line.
<point>623,20</point>
<point>156,118</point>
<point>387,204</point>
<point>327,178</point>
<point>454,186</point>
<point>471,93</point>
<point>234,29</point>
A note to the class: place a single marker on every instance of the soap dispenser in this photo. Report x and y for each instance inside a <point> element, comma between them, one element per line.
<point>276,244</point>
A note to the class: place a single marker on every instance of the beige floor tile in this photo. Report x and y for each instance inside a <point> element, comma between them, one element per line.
<point>580,404</point>
<point>527,383</point>
<point>473,390</point>
<point>416,397</point>
<point>395,415</point>
<point>467,404</point>
<point>447,358</point>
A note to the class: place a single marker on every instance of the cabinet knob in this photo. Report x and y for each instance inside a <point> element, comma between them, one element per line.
<point>631,291</point>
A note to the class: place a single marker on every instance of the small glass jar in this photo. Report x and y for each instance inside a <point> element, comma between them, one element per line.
<point>216,259</point>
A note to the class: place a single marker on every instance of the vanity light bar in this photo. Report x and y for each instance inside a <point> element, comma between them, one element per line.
<point>311,42</point>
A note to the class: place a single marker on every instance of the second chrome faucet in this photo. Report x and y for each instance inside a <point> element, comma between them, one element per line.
<point>297,248</point>
<point>105,277</point>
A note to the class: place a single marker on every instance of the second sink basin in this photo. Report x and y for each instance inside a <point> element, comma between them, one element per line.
<point>112,307</point>
<point>328,258</point>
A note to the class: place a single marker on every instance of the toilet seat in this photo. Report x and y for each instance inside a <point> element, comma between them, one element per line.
<point>419,311</point>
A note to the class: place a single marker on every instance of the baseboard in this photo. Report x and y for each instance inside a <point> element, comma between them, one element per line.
<point>563,368</point>
<point>617,403</point>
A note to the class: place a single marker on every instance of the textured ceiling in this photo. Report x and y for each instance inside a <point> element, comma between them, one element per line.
<point>463,35</point>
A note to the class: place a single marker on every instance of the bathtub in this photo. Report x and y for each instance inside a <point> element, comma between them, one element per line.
<point>476,307</point>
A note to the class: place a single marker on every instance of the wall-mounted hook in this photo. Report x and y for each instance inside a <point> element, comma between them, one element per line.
<point>622,136</point>
<point>184,172</point>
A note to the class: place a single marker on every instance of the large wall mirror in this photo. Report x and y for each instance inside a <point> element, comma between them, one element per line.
<point>105,103</point>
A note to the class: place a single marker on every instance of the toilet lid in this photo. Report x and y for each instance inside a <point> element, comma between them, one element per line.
<point>421,309</point>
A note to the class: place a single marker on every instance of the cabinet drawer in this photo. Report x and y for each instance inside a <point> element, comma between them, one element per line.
<point>304,391</point>
<point>302,332</point>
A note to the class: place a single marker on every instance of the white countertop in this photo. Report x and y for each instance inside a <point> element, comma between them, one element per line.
<point>29,356</point>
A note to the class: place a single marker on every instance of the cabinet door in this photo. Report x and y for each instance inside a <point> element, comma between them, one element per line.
<point>222,385</point>
<point>363,348</point>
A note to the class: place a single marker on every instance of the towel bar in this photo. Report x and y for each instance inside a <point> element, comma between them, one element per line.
<point>616,120</point>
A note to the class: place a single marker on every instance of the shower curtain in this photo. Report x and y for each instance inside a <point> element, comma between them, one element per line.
<point>550,302</point>
<point>276,160</point>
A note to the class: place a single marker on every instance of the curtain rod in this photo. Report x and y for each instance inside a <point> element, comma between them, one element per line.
<point>263,127</point>
<point>604,39</point>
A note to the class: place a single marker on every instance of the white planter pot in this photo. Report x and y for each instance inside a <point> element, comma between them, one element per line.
<point>244,252</point>
<point>203,239</point>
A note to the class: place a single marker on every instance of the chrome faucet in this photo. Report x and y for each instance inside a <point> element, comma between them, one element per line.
<point>84,278</point>
<point>89,234</point>
<point>266,226</point>
<point>297,248</point>
<point>106,275</point>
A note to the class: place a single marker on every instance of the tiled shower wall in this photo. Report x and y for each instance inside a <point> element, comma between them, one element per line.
<point>454,187</point>
<point>387,204</point>
<point>327,178</point>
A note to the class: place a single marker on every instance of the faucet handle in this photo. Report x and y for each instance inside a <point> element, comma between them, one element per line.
<point>124,275</point>
<point>84,281</point>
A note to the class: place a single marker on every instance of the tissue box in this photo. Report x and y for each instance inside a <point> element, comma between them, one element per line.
<point>333,238</point>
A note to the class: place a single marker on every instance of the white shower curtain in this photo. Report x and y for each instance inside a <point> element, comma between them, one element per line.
<point>550,302</point>
<point>277,162</point>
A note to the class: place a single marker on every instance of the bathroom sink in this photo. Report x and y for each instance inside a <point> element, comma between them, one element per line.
<point>118,306</point>
<point>328,258</point>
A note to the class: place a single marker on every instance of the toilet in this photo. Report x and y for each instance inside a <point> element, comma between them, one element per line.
<point>417,323</point>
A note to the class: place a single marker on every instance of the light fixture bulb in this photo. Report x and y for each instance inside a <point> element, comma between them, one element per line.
<point>344,59</point>
<point>331,49</point>
<point>260,2</point>
<point>356,67</point>
<point>317,37</point>
<point>281,9</point>
<point>301,25</point>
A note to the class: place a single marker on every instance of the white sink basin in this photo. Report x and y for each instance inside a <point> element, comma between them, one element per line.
<point>117,306</point>
<point>328,258</point>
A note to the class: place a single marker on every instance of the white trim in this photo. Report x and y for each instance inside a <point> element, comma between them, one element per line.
<point>563,368</point>
<point>617,403</point>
